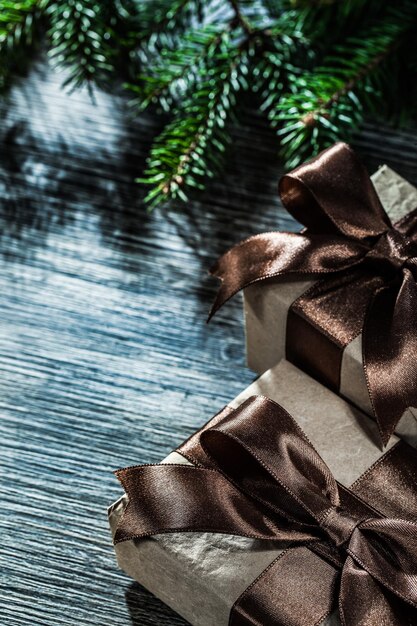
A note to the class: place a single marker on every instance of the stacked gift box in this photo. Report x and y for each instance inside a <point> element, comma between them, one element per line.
<point>296,504</point>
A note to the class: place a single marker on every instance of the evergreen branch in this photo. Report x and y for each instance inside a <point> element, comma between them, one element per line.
<point>286,53</point>
<point>176,71</point>
<point>327,23</point>
<point>189,149</point>
<point>318,67</point>
<point>150,19</point>
<point>330,103</point>
<point>239,18</point>
<point>177,68</point>
<point>18,22</point>
<point>156,31</point>
<point>275,8</point>
<point>80,33</point>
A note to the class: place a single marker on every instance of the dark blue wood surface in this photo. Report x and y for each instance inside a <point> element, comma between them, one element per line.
<point>105,357</point>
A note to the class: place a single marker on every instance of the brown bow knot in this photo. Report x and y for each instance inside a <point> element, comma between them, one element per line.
<point>267,482</point>
<point>393,250</point>
<point>357,256</point>
<point>339,525</point>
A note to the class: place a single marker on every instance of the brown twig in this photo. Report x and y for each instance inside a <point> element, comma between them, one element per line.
<point>177,177</point>
<point>239,18</point>
<point>310,119</point>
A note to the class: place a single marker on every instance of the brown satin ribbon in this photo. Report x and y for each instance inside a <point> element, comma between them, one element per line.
<point>263,479</point>
<point>367,269</point>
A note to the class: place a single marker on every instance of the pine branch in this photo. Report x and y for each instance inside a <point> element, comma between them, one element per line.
<point>327,23</point>
<point>239,18</point>
<point>189,149</point>
<point>285,54</point>
<point>176,71</point>
<point>81,34</point>
<point>172,70</point>
<point>158,33</point>
<point>153,25</point>
<point>194,78</point>
<point>148,18</point>
<point>318,68</point>
<point>18,24</point>
<point>330,103</point>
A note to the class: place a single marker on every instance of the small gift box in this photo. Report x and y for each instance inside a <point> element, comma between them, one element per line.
<point>277,514</point>
<point>339,299</point>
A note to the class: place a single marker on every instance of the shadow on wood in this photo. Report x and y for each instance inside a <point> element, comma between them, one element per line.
<point>141,604</point>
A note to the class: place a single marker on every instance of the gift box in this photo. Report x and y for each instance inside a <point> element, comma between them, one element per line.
<point>211,574</point>
<point>308,296</point>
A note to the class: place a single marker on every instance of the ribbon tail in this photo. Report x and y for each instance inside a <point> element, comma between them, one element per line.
<point>363,602</point>
<point>276,254</point>
<point>379,578</point>
<point>390,353</point>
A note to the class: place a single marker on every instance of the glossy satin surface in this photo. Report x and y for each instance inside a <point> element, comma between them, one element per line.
<point>366,268</point>
<point>264,479</point>
<point>105,357</point>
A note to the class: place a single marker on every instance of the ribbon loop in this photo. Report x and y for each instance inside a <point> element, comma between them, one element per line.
<point>392,251</point>
<point>349,237</point>
<point>332,193</point>
<point>294,483</point>
<point>268,482</point>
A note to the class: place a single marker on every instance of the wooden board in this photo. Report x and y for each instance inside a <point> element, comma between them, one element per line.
<point>105,356</point>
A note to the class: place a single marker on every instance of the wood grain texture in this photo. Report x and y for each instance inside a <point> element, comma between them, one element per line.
<point>105,357</point>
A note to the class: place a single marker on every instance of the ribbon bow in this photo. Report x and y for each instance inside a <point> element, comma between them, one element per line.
<point>349,239</point>
<point>266,481</point>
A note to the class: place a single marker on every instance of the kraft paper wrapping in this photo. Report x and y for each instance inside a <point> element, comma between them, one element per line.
<point>266,308</point>
<point>201,575</point>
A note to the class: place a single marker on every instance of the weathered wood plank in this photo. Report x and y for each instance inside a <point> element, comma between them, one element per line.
<point>105,357</point>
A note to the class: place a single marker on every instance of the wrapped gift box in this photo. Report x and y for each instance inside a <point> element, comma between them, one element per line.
<point>201,575</point>
<point>266,307</point>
